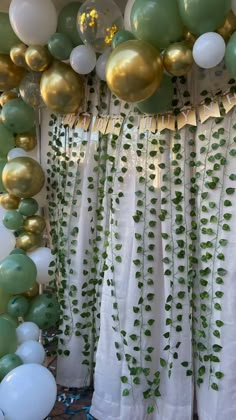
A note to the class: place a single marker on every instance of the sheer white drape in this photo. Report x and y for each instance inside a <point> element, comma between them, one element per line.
<point>176,401</point>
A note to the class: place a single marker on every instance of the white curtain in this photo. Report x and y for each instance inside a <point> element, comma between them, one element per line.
<point>143,227</point>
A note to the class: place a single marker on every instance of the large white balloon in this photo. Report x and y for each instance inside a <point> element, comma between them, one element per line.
<point>27,331</point>
<point>101,65</point>
<point>16,152</point>
<point>28,392</point>
<point>8,241</point>
<point>31,352</point>
<point>128,8</point>
<point>209,50</point>
<point>33,21</point>
<point>83,59</point>
<point>42,258</point>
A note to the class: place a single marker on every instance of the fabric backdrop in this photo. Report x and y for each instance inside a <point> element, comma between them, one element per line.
<point>143,227</point>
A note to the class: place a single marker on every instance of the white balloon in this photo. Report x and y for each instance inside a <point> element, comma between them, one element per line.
<point>27,331</point>
<point>16,152</point>
<point>28,392</point>
<point>8,241</point>
<point>209,50</point>
<point>42,257</point>
<point>33,21</point>
<point>82,59</point>
<point>128,8</point>
<point>101,65</point>
<point>233,6</point>
<point>31,352</point>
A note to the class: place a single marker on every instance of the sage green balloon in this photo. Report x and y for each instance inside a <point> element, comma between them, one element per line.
<point>60,46</point>
<point>121,36</point>
<point>28,207</point>
<point>8,363</point>
<point>2,164</point>
<point>67,22</point>
<point>13,321</point>
<point>13,220</point>
<point>17,273</point>
<point>230,56</point>
<point>17,116</point>
<point>203,15</point>
<point>8,38</point>
<point>4,299</point>
<point>17,306</point>
<point>18,251</point>
<point>7,141</point>
<point>157,22</point>
<point>161,100</point>
<point>8,340</point>
<point>44,311</point>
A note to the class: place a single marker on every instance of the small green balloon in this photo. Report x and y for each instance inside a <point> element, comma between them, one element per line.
<point>13,321</point>
<point>203,16</point>
<point>28,207</point>
<point>156,22</point>
<point>2,164</point>
<point>230,56</point>
<point>60,46</point>
<point>8,363</point>
<point>161,100</point>
<point>18,251</point>
<point>13,220</point>
<point>17,116</point>
<point>4,299</point>
<point>7,141</point>
<point>17,306</point>
<point>17,273</point>
<point>8,339</point>
<point>121,36</point>
<point>44,311</point>
<point>67,22</point>
<point>8,38</point>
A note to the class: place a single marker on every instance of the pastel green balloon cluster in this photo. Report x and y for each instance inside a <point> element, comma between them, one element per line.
<point>17,274</point>
<point>8,339</point>
<point>44,311</point>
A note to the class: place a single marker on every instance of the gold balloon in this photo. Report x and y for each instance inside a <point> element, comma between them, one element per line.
<point>229,26</point>
<point>134,71</point>
<point>61,88</point>
<point>190,38</point>
<point>28,241</point>
<point>10,74</point>
<point>26,141</point>
<point>17,55</point>
<point>6,97</point>
<point>32,292</point>
<point>37,57</point>
<point>23,177</point>
<point>9,202</point>
<point>34,224</point>
<point>178,59</point>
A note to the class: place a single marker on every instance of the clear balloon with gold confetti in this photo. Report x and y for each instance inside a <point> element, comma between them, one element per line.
<point>98,21</point>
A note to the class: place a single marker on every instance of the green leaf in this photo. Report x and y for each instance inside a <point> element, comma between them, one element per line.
<point>230,191</point>
<point>124,379</point>
<point>219,375</point>
<point>150,409</point>
<point>216,348</point>
<point>185,364</point>
<point>214,386</point>
<point>125,392</point>
<point>163,362</point>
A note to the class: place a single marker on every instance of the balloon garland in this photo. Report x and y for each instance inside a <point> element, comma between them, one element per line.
<point>43,60</point>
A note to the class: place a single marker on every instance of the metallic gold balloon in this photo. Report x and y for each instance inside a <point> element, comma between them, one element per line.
<point>134,71</point>
<point>28,241</point>
<point>26,141</point>
<point>9,202</point>
<point>34,224</point>
<point>178,59</point>
<point>32,292</point>
<point>7,96</point>
<point>37,57</point>
<point>190,38</point>
<point>229,26</point>
<point>23,177</point>
<point>10,74</point>
<point>61,88</point>
<point>17,55</point>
